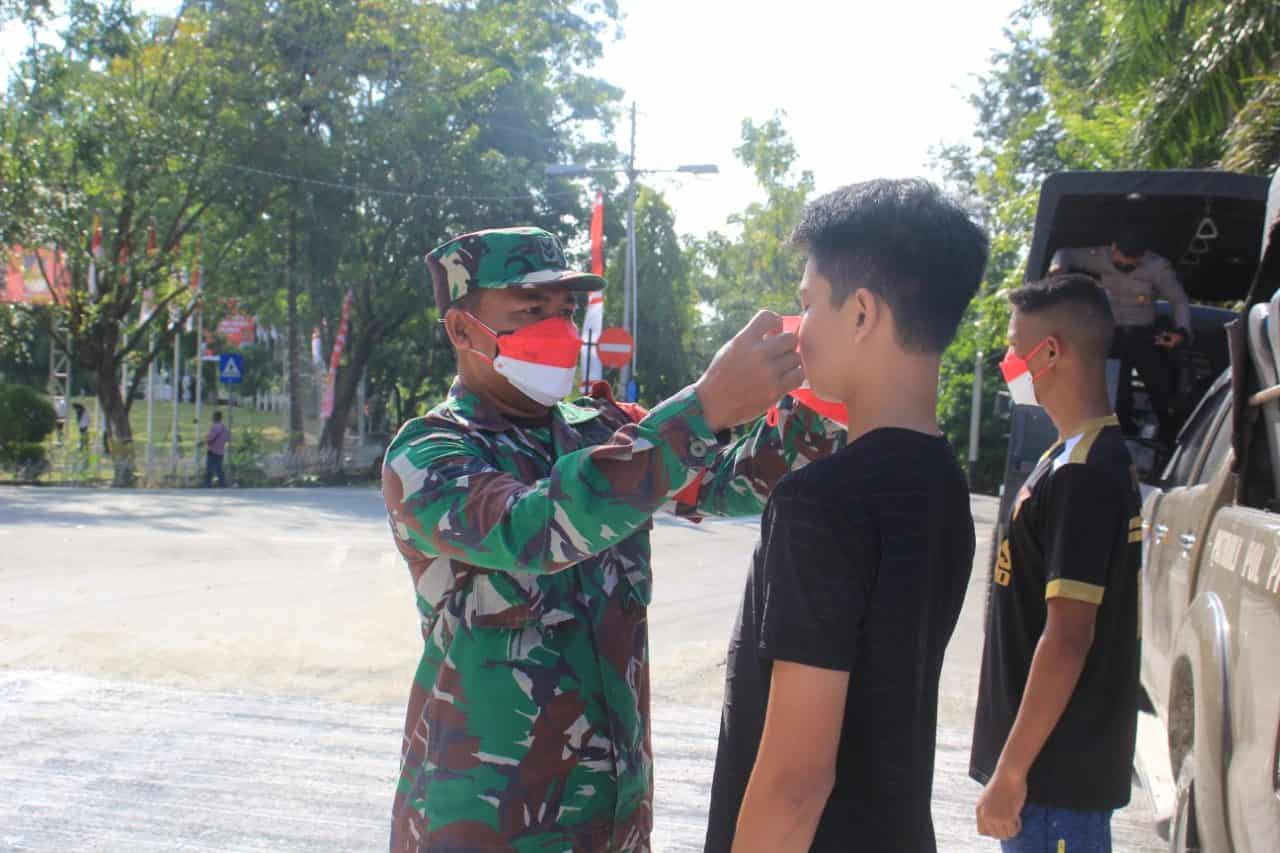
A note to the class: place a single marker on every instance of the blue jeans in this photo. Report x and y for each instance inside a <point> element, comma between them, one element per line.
<point>1046,829</point>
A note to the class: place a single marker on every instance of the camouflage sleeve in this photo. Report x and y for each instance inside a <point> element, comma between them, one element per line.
<point>743,474</point>
<point>447,500</point>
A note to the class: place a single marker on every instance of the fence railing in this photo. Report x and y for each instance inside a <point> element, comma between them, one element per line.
<point>247,463</point>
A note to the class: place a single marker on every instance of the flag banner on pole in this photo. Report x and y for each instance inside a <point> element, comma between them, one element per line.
<point>175,310</point>
<point>593,318</point>
<point>335,358</point>
<point>592,326</point>
<point>194,284</point>
<point>597,236</point>
<point>317,348</point>
<point>175,307</point>
<point>95,253</point>
<point>148,305</point>
<point>148,294</point>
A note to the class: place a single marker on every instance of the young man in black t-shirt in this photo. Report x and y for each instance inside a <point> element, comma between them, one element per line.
<point>828,730</point>
<point>1057,707</point>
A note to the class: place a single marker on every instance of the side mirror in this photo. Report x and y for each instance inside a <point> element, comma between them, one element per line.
<point>1003,405</point>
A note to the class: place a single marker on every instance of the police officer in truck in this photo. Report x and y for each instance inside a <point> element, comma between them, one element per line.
<point>1133,279</point>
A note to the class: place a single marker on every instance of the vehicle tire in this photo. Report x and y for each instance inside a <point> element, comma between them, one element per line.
<point>1184,836</point>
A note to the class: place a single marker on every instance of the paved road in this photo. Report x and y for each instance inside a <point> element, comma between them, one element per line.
<point>227,671</point>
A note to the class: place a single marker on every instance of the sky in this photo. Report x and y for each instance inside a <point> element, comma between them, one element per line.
<point>867,87</point>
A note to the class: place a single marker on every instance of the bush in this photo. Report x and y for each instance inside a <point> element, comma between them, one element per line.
<point>246,457</point>
<point>26,421</point>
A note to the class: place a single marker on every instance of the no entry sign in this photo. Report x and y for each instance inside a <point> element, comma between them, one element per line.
<point>615,347</point>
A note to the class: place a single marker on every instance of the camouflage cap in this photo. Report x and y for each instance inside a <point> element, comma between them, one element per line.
<point>501,258</point>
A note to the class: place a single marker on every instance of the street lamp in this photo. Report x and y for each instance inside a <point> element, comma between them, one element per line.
<point>630,304</point>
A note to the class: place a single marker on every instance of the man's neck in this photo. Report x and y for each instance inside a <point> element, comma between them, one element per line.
<point>501,395</point>
<point>1071,416</point>
<point>903,398</point>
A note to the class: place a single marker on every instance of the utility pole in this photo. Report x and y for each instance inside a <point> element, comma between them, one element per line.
<point>975,416</point>
<point>630,294</point>
<point>629,271</point>
<point>175,394</point>
<point>199,377</point>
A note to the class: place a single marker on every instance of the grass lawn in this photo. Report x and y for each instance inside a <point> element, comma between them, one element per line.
<point>271,424</point>
<point>70,464</point>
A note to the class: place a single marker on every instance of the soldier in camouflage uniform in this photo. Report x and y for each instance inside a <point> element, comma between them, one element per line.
<point>526,531</point>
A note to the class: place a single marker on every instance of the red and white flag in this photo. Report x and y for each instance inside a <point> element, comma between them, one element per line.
<point>148,295</point>
<point>195,292</point>
<point>335,358</point>
<point>317,348</point>
<point>593,318</point>
<point>95,253</point>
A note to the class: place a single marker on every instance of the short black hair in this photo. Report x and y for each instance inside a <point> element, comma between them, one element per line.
<point>1080,302</point>
<point>1130,242</point>
<point>217,416</point>
<point>907,243</point>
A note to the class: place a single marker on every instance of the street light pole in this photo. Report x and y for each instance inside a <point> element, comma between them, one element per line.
<point>630,295</point>
<point>975,417</point>
<point>629,271</point>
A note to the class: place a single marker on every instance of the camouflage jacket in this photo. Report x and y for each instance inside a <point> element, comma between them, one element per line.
<point>528,721</point>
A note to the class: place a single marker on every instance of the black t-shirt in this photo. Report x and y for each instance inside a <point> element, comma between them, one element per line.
<point>862,566</point>
<point>1076,533</point>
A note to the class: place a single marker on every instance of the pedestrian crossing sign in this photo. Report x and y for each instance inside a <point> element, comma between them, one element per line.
<point>230,368</point>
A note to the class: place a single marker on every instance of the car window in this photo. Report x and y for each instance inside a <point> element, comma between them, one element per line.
<point>1220,443</point>
<point>1178,471</point>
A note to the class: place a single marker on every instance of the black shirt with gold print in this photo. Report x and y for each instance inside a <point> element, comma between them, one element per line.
<point>1076,533</point>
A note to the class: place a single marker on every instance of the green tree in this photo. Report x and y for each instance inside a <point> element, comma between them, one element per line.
<point>755,267</point>
<point>24,345</point>
<point>1021,137</point>
<point>667,318</point>
<point>405,123</point>
<point>1201,76</point>
<point>123,120</point>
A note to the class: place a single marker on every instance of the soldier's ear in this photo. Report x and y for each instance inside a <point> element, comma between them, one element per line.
<point>455,326</point>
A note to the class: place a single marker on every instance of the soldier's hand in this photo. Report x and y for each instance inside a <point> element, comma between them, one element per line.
<point>750,373</point>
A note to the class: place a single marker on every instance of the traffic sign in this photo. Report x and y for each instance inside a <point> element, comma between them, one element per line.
<point>230,368</point>
<point>615,347</point>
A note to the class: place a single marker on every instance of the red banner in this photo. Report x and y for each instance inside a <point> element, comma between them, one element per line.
<point>597,236</point>
<point>237,328</point>
<point>335,358</point>
<point>24,275</point>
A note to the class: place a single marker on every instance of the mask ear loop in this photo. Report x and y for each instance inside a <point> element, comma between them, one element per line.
<point>1035,377</point>
<point>490,332</point>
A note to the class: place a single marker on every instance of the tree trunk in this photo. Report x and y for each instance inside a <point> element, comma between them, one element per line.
<point>116,412</point>
<point>297,436</point>
<point>345,391</point>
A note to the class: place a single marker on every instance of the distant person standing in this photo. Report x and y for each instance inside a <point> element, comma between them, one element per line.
<point>216,445</point>
<point>82,421</point>
<point>60,413</point>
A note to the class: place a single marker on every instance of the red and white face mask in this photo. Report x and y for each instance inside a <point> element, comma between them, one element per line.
<point>832,411</point>
<point>1018,375</point>
<point>540,360</point>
